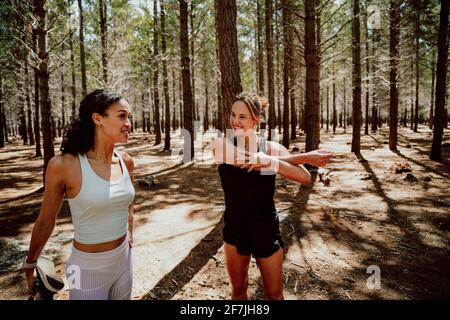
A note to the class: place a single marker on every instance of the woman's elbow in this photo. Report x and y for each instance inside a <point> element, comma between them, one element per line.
<point>304,179</point>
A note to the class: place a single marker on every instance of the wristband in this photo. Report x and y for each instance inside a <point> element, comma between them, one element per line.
<point>27,265</point>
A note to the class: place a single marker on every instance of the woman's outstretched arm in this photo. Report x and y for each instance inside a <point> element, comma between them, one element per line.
<point>45,222</point>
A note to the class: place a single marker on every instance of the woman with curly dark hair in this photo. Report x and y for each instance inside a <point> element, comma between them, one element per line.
<point>96,179</point>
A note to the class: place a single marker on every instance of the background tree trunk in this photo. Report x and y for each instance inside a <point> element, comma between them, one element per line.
<point>286,67</point>
<point>433,78</point>
<point>165,79</point>
<point>156,119</point>
<point>37,111</point>
<point>270,71</point>
<point>192,48</point>
<point>104,38</point>
<point>417,61</point>
<point>228,54</point>
<point>440,118</point>
<point>2,123</point>
<point>259,48</point>
<point>394,39</point>
<point>366,129</point>
<point>185,72</point>
<point>312,94</point>
<point>44,101</point>
<point>356,79</point>
<point>82,53</point>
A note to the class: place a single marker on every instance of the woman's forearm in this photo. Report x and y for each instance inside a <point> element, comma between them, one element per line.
<point>39,237</point>
<point>296,159</point>
<point>293,172</point>
<point>130,218</point>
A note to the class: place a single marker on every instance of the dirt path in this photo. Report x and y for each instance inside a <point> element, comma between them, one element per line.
<point>366,216</point>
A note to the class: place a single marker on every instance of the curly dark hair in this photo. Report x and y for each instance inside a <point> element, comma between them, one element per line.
<point>79,135</point>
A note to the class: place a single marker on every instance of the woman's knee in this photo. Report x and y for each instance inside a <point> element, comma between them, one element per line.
<point>239,287</point>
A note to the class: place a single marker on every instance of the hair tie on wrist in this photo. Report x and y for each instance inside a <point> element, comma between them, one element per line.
<point>27,265</point>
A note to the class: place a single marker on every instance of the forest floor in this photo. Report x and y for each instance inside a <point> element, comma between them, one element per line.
<point>366,216</point>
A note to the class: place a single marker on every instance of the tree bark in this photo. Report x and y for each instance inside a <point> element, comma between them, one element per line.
<point>72,67</point>
<point>328,108</point>
<point>186,76</point>
<point>356,79</point>
<point>286,67</point>
<point>311,121</point>
<point>260,49</point>
<point>228,54</point>
<point>165,79</point>
<point>192,48</point>
<point>44,98</point>
<point>433,78</point>
<point>220,120</point>
<point>441,83</point>
<point>174,100</point>
<point>278,118</point>
<point>37,112</point>
<point>157,120</point>
<point>104,38</point>
<point>417,61</point>
<point>270,71</point>
<point>2,124</point>
<point>206,117</point>
<point>366,129</point>
<point>82,53</point>
<point>334,102</point>
<point>394,39</point>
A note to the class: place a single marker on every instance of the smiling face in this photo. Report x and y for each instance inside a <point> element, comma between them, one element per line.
<point>115,125</point>
<point>241,118</point>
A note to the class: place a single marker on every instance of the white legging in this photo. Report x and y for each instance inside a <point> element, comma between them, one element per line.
<point>100,276</point>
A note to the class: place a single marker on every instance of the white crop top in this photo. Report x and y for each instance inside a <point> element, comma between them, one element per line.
<point>100,210</point>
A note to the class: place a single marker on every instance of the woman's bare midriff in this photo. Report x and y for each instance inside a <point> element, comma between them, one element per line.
<point>99,247</point>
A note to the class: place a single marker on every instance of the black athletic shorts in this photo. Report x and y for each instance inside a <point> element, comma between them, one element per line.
<point>259,238</point>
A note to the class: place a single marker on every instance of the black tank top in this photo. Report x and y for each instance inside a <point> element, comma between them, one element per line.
<point>248,195</point>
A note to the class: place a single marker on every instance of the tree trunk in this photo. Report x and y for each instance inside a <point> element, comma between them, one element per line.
<point>2,123</point>
<point>334,119</point>
<point>186,76</point>
<point>174,100</point>
<point>165,79</point>
<point>21,103</point>
<point>433,78</point>
<point>416,102</point>
<point>37,112</point>
<point>412,98</point>
<point>206,118</point>
<point>82,54</point>
<point>441,83</point>
<point>228,54</point>
<point>156,119</point>
<point>394,39</point>
<point>270,71</point>
<point>104,38</point>
<point>44,98</point>
<point>286,67</point>
<point>356,79</point>
<point>278,118</point>
<point>220,121</point>
<point>366,129</point>
<point>312,85</point>
<point>345,99</point>
<point>328,108</point>
<point>72,67</point>
<point>63,101</point>
<point>260,49</point>
<point>192,48</point>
